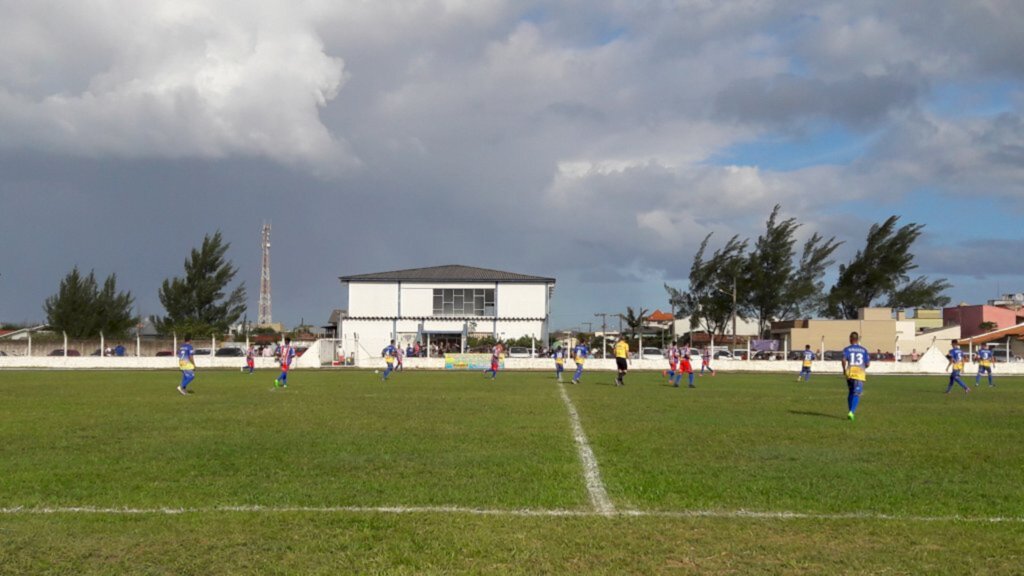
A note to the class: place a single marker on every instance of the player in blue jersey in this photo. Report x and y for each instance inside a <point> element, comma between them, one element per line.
<point>187,365</point>
<point>855,363</point>
<point>285,356</point>
<point>985,361</point>
<point>808,358</point>
<point>559,357</point>
<point>955,365</point>
<point>388,353</point>
<point>579,355</point>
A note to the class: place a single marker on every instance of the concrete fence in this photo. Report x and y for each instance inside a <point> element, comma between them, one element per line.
<point>931,362</point>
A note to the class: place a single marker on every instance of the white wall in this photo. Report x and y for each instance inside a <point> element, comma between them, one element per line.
<point>521,300</point>
<point>372,299</point>
<point>933,362</point>
<point>418,299</point>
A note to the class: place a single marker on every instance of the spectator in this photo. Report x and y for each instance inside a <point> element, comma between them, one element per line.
<point>119,350</point>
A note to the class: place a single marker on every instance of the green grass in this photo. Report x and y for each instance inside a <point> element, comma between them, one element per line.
<point>344,439</point>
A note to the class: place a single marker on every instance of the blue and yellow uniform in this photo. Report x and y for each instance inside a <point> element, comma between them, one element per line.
<point>808,358</point>
<point>956,362</point>
<point>389,353</point>
<point>579,355</point>
<point>559,356</point>
<point>985,361</point>
<point>187,365</point>
<point>855,364</point>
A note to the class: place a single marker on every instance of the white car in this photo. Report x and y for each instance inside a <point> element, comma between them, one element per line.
<point>519,352</point>
<point>650,352</point>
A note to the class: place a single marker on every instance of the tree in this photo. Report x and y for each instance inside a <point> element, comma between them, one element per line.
<point>880,273</point>
<point>83,310</point>
<point>777,286</point>
<point>196,304</point>
<point>635,319</point>
<point>709,300</point>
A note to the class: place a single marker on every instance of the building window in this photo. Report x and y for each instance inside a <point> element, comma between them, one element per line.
<point>464,302</point>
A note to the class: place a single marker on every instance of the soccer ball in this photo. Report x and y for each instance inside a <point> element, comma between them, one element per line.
<point>376,371</point>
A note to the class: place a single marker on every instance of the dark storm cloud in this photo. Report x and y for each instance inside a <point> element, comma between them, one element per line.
<point>978,258</point>
<point>787,99</point>
<point>554,138</point>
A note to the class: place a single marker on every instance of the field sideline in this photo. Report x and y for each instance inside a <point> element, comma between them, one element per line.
<point>441,472</point>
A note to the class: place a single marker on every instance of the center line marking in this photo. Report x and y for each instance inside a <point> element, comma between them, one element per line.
<point>598,495</point>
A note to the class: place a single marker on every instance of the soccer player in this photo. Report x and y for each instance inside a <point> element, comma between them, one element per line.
<point>621,360</point>
<point>559,356</point>
<point>673,362</point>
<point>808,358</point>
<point>398,357</point>
<point>388,353</point>
<point>579,356</point>
<point>187,365</point>
<point>855,363</point>
<point>684,367</point>
<point>250,359</point>
<point>284,356</point>
<point>985,361</point>
<point>956,362</point>
<point>705,361</point>
<point>495,360</point>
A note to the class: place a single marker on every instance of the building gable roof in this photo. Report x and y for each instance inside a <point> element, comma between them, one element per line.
<point>450,273</point>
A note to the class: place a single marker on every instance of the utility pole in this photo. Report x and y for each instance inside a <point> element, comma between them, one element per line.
<point>734,311</point>
<point>604,333</point>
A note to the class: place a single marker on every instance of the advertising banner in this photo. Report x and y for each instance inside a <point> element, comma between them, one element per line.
<point>470,362</point>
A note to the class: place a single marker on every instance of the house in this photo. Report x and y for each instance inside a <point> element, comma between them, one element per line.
<point>879,329</point>
<point>981,318</point>
<point>441,307</point>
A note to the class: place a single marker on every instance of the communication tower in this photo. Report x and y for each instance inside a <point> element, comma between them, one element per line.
<point>264,312</point>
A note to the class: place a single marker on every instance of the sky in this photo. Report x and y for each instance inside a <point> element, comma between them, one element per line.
<point>595,142</point>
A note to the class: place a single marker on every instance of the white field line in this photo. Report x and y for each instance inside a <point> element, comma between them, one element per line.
<point>524,512</point>
<point>598,495</point>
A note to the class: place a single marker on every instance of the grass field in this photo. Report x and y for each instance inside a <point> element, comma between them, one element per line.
<point>435,472</point>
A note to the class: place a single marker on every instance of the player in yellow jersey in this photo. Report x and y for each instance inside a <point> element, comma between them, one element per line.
<point>559,356</point>
<point>621,360</point>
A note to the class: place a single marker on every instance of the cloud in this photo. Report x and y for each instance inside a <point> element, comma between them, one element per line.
<point>786,99</point>
<point>171,79</point>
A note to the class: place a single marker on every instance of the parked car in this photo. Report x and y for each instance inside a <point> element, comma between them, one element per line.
<point>519,352</point>
<point>882,357</point>
<point>724,355</point>
<point>766,355</point>
<point>795,355</point>
<point>832,355</point>
<point>999,354</point>
<point>201,352</point>
<point>650,352</point>
<point>165,353</point>
<point>60,352</point>
<point>2,353</point>
<point>230,352</point>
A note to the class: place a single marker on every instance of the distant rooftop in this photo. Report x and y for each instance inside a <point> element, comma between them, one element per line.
<point>449,273</point>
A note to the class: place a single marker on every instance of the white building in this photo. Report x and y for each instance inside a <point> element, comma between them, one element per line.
<point>441,305</point>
